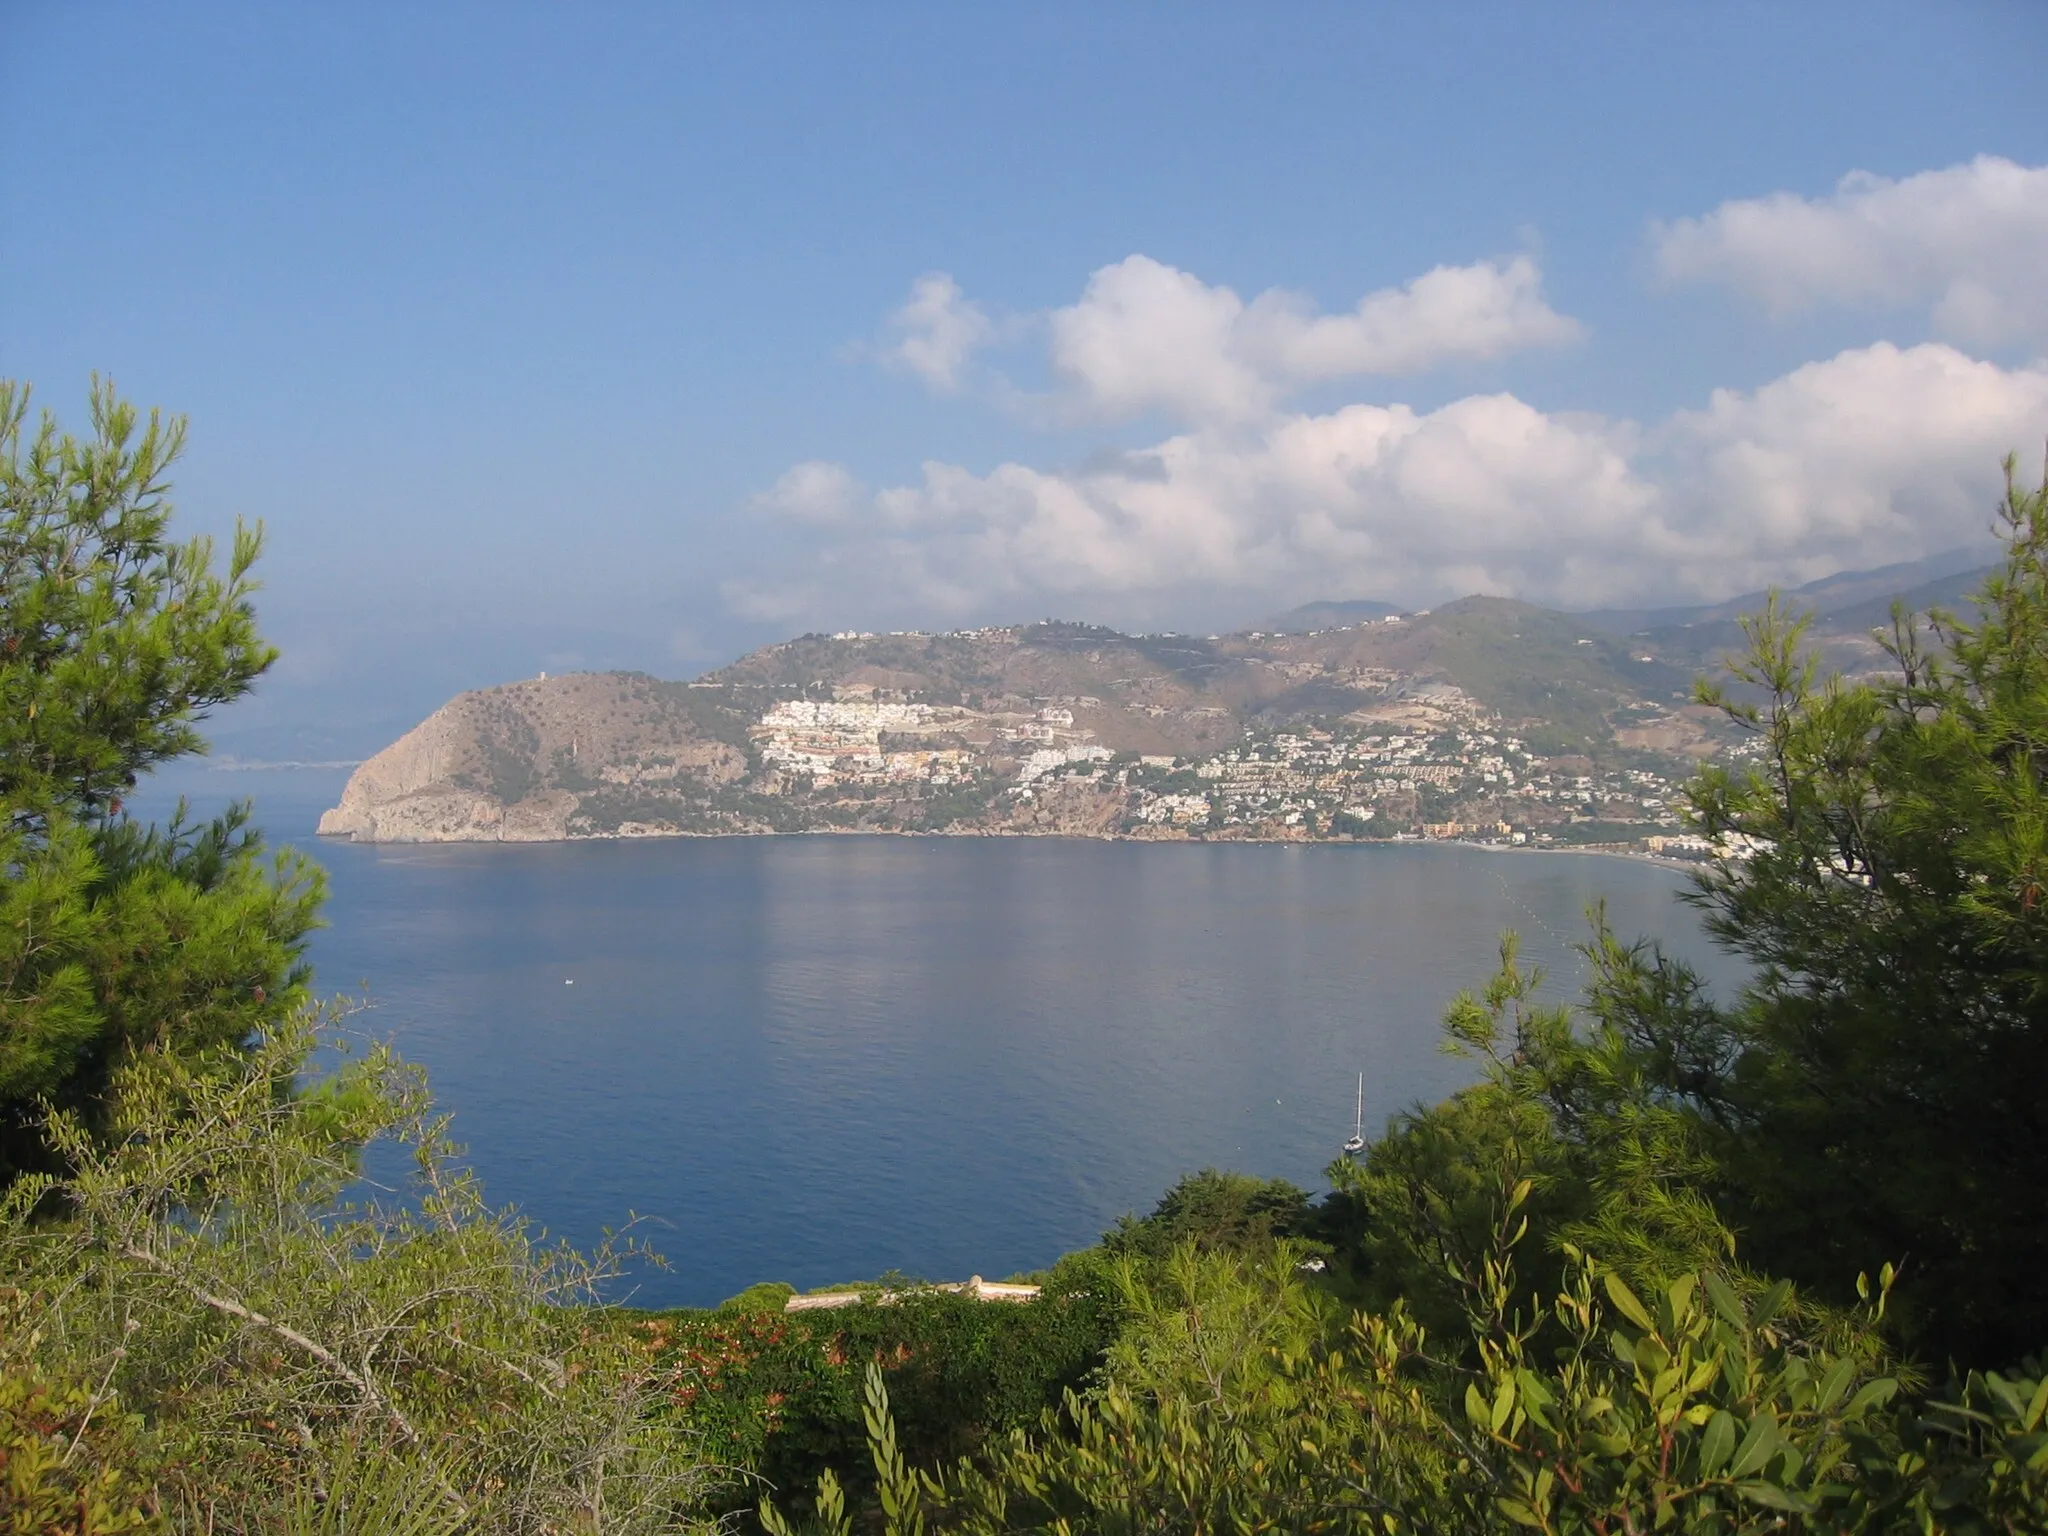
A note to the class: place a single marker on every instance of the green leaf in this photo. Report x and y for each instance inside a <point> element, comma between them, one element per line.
<point>1680,1296</point>
<point>1625,1301</point>
<point>1871,1394</point>
<point>1503,1405</point>
<point>1757,1445</point>
<point>1475,1405</point>
<point>1834,1384</point>
<point>1773,1300</point>
<point>1771,1496</point>
<point>1717,1442</point>
<point>1725,1301</point>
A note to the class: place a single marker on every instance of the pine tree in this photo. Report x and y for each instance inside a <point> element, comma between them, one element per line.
<point>115,643</point>
<point>1881,1093</point>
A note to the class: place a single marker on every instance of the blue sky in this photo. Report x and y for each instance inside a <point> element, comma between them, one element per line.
<point>552,336</point>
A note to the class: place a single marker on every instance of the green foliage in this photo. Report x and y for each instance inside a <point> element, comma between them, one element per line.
<point>1195,1428</point>
<point>123,940</point>
<point>780,1394</point>
<point>216,1263</point>
<point>1974,1462</point>
<point>1213,1210</point>
<point>1422,1203</point>
<point>114,641</point>
<point>1692,1412</point>
<point>768,1296</point>
<point>1875,1096</point>
<point>1203,1326</point>
<point>1563,1126</point>
<point>72,1461</point>
<point>1703,1406</point>
<point>367,1489</point>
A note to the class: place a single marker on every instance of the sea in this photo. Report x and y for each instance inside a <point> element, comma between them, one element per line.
<point>827,1058</point>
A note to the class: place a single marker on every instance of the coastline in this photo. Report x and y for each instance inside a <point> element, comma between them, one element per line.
<point>1602,850</point>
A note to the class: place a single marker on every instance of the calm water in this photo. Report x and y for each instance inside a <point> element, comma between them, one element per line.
<point>820,1058</point>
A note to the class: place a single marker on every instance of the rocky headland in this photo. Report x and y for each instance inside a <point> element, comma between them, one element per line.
<point>1485,719</point>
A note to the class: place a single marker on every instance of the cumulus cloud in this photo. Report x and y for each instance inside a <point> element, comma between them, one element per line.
<point>1882,452</point>
<point>937,332</point>
<point>1875,455</point>
<point>813,492</point>
<point>1970,242</point>
<point>1149,337</point>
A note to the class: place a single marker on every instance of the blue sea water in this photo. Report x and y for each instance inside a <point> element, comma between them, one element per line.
<point>821,1058</point>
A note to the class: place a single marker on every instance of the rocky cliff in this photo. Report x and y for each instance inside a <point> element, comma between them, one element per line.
<point>518,762</point>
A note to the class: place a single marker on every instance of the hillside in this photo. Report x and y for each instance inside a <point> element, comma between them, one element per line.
<point>1483,717</point>
<point>1837,596</point>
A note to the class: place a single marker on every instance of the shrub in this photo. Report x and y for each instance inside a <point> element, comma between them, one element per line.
<point>219,1263</point>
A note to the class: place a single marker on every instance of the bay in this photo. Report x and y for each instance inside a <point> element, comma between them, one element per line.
<point>824,1058</point>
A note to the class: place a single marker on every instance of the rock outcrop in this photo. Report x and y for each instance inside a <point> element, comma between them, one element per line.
<point>517,763</point>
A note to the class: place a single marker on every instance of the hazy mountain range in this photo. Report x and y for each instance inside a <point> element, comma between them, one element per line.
<point>1341,708</point>
<point>297,716</point>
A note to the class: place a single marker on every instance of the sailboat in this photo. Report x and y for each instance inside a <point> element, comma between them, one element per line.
<point>1357,1142</point>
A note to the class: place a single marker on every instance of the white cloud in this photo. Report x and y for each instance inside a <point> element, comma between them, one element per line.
<point>1883,453</point>
<point>1878,454</point>
<point>812,492</point>
<point>937,332</point>
<point>1970,241</point>
<point>1146,336</point>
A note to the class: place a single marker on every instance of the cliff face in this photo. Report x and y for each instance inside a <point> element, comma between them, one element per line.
<point>516,763</point>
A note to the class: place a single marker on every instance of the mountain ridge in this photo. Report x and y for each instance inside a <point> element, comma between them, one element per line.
<point>1388,724</point>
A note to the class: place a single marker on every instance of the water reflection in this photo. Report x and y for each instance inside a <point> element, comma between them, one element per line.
<point>820,1058</point>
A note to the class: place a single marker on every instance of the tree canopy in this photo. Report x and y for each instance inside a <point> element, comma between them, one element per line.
<point>1877,1094</point>
<point>116,642</point>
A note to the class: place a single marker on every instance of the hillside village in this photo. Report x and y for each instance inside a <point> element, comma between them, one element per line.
<point>1486,721</point>
<point>1434,766</point>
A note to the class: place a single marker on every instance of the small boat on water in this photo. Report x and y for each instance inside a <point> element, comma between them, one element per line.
<point>1357,1142</point>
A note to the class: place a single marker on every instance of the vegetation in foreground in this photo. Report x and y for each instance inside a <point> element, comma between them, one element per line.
<point>1671,1264</point>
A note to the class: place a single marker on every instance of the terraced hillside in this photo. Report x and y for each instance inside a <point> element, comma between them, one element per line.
<point>1484,714</point>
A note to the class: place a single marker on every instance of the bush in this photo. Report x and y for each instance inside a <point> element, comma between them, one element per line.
<point>219,1266</point>
<point>72,1461</point>
<point>1213,1211</point>
<point>779,1394</point>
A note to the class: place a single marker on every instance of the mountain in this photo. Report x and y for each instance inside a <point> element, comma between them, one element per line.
<point>1844,614</point>
<point>1024,729</point>
<point>1844,597</point>
<point>1484,713</point>
<point>1310,617</point>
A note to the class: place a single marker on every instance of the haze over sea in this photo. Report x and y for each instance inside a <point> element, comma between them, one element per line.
<point>821,1058</point>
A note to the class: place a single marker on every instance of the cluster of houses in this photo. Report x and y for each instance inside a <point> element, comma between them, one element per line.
<point>856,740</point>
<point>862,738</point>
<point>1432,765</point>
<point>1468,783</point>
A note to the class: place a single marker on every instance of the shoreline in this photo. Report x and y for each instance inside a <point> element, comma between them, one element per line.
<point>1602,850</point>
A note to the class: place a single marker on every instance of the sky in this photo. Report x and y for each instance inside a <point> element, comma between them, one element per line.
<point>547,337</point>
